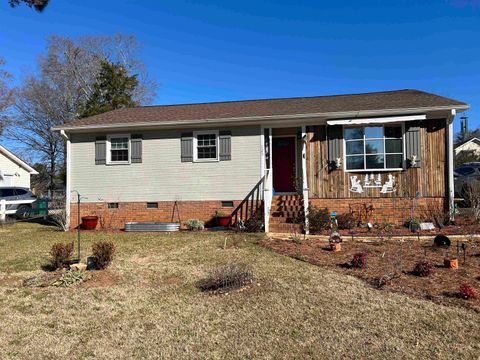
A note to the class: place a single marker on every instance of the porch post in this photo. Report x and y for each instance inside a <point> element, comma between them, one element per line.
<point>451,184</point>
<point>304,177</point>
<point>68,179</point>
<point>267,173</point>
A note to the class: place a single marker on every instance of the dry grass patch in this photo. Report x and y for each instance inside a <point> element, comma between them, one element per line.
<point>298,311</point>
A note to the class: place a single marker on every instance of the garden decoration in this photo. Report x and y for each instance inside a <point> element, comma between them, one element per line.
<point>372,181</point>
<point>335,242</point>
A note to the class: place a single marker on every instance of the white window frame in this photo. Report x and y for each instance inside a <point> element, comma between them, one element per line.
<point>402,125</point>
<point>109,147</point>
<point>195,147</point>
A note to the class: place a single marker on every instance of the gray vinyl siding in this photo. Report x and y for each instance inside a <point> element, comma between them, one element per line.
<point>162,176</point>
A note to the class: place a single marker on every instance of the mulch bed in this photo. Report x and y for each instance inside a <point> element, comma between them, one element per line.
<point>388,257</point>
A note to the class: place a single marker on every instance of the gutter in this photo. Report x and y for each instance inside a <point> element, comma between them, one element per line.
<point>260,119</point>
<point>68,178</point>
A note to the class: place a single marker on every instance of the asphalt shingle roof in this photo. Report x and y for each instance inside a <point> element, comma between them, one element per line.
<point>397,99</point>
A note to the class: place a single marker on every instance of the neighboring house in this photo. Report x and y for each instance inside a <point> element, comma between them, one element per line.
<point>13,170</point>
<point>343,152</point>
<point>470,145</point>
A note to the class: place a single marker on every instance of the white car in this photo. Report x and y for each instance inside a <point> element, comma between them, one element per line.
<point>19,201</point>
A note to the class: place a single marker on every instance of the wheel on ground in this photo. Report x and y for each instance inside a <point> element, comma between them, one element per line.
<point>23,212</point>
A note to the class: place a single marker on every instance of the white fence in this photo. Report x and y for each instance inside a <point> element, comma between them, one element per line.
<point>3,207</point>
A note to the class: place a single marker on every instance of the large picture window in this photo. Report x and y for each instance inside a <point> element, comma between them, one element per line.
<point>206,146</point>
<point>374,147</point>
<point>119,149</point>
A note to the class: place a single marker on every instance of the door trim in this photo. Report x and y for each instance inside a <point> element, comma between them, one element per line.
<point>296,159</point>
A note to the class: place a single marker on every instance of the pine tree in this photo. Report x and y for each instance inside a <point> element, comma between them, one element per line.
<point>113,89</point>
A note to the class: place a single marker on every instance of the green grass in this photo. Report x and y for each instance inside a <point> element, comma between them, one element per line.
<point>152,309</point>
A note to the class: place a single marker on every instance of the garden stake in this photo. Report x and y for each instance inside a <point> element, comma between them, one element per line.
<point>464,248</point>
<point>78,226</point>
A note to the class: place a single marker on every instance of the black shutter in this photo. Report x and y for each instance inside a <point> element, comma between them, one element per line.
<point>413,142</point>
<point>335,144</point>
<point>100,150</point>
<point>225,140</point>
<point>136,147</point>
<point>186,147</point>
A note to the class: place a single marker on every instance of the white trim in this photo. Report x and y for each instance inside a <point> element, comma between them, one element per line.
<point>378,120</point>
<point>68,185</point>
<point>364,154</point>
<point>19,161</point>
<point>247,120</point>
<point>451,183</point>
<point>109,153</point>
<point>305,189</point>
<point>195,148</point>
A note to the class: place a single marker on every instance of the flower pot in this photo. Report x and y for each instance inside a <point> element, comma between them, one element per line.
<point>336,247</point>
<point>450,263</point>
<point>224,220</point>
<point>89,222</point>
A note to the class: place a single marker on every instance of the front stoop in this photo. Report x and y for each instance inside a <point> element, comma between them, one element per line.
<point>286,214</point>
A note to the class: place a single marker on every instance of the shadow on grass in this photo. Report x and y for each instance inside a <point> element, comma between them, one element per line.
<point>48,267</point>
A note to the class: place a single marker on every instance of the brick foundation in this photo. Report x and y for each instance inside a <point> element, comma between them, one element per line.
<point>392,210</point>
<point>137,211</point>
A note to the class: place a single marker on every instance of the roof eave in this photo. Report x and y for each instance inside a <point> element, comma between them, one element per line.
<point>259,119</point>
<point>19,161</point>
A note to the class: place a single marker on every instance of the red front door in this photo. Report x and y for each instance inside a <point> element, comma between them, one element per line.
<point>283,163</point>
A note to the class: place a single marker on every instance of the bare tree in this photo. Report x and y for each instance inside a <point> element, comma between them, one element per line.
<point>38,5</point>
<point>471,192</point>
<point>6,95</point>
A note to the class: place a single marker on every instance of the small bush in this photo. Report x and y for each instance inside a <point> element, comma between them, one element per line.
<point>359,260</point>
<point>255,223</point>
<point>468,292</point>
<point>424,268</point>
<point>61,255</point>
<point>194,224</point>
<point>102,252</point>
<point>345,221</point>
<point>227,277</point>
<point>319,219</point>
<point>70,278</point>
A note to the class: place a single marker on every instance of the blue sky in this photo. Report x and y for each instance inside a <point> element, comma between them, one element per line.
<point>227,50</point>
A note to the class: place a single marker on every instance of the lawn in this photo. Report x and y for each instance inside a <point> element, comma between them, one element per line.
<point>147,306</point>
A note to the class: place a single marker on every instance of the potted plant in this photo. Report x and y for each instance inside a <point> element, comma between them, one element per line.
<point>335,242</point>
<point>222,218</point>
<point>450,262</point>
<point>89,222</point>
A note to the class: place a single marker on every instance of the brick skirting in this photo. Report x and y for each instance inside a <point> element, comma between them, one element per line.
<point>392,210</point>
<point>138,211</point>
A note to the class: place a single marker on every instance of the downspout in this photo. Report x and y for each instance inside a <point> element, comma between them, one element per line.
<point>67,187</point>
<point>451,184</point>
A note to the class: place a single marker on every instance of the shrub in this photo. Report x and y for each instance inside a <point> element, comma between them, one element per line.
<point>468,292</point>
<point>255,223</point>
<point>319,219</point>
<point>359,260</point>
<point>412,223</point>
<point>70,278</point>
<point>194,224</point>
<point>345,221</point>
<point>102,252</point>
<point>424,268</point>
<point>227,277</point>
<point>61,254</point>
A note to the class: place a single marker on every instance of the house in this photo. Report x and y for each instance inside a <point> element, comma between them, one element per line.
<point>470,145</point>
<point>383,151</point>
<point>13,170</point>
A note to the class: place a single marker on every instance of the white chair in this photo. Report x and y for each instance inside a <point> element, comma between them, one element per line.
<point>355,185</point>
<point>389,185</point>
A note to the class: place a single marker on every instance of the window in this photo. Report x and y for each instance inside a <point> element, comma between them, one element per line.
<point>119,149</point>
<point>227,203</point>
<point>206,146</point>
<point>20,192</point>
<point>374,148</point>
<point>465,171</point>
<point>152,205</point>
<point>113,205</point>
